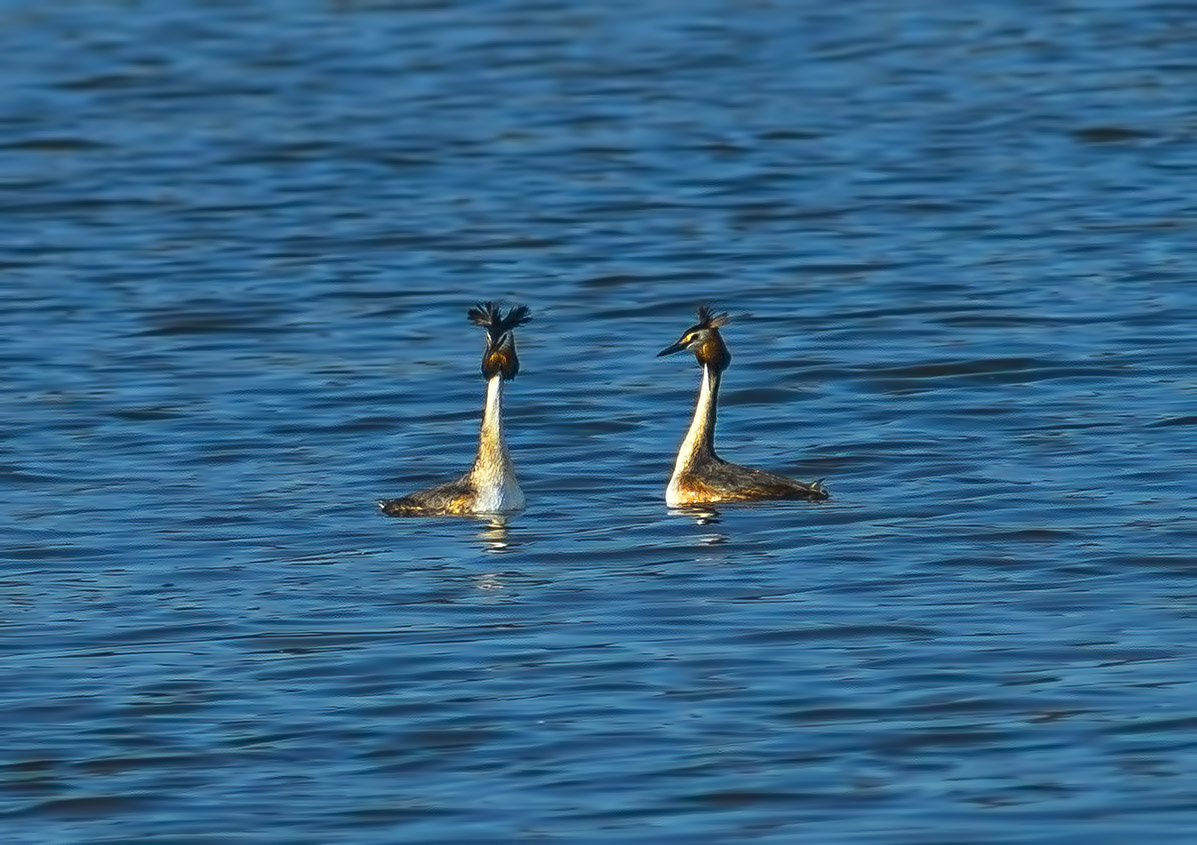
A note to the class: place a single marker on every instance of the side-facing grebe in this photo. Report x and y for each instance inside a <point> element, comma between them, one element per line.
<point>489,486</point>
<point>701,476</point>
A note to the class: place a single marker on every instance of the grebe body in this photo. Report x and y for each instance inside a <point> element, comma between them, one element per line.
<point>700,476</point>
<point>490,485</point>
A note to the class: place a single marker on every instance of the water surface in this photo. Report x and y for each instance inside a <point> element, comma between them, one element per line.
<point>238,246</point>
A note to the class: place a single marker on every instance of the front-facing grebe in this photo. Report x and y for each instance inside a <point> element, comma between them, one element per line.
<point>489,486</point>
<point>700,476</point>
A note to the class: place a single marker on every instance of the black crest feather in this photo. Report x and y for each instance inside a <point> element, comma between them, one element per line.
<point>491,317</point>
<point>709,320</point>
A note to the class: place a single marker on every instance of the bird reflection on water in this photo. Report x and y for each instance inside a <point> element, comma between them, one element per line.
<point>494,536</point>
<point>704,517</point>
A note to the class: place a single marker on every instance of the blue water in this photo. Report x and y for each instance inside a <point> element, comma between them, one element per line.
<point>237,242</point>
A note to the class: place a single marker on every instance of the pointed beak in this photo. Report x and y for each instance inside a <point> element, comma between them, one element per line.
<point>669,350</point>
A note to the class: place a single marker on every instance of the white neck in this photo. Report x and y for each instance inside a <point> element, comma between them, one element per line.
<point>493,473</point>
<point>491,435</point>
<point>700,439</point>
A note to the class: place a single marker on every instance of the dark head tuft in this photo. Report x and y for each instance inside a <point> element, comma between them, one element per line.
<point>491,317</point>
<point>709,320</point>
<point>500,357</point>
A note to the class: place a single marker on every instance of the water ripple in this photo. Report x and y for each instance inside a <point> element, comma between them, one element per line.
<point>239,246</point>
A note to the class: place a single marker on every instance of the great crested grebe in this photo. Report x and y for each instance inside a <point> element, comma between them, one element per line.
<point>700,476</point>
<point>489,486</point>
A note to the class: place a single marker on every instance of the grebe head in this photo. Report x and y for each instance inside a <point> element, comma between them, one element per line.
<point>704,340</point>
<point>500,357</point>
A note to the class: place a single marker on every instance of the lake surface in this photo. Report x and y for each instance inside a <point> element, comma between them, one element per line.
<point>238,243</point>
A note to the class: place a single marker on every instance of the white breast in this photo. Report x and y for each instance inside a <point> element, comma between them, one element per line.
<point>673,494</point>
<point>498,494</point>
